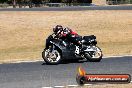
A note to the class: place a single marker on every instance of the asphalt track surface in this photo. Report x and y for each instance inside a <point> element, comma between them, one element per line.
<point>73,8</point>
<point>38,74</point>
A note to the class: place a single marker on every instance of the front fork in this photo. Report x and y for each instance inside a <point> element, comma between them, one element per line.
<point>51,48</point>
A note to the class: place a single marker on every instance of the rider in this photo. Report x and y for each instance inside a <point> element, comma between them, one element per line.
<point>64,33</point>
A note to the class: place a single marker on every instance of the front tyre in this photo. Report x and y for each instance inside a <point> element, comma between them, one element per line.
<point>95,55</point>
<point>51,57</point>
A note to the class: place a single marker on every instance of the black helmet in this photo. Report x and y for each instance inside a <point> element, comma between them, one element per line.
<point>57,29</point>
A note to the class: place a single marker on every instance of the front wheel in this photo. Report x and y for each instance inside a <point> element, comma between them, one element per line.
<point>51,57</point>
<point>95,55</point>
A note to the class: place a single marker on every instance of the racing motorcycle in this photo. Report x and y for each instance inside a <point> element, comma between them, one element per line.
<point>56,50</point>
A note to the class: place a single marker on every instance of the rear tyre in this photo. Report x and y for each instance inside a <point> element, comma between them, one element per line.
<point>52,58</point>
<point>94,56</point>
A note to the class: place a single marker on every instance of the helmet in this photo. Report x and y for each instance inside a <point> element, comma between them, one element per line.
<point>57,29</point>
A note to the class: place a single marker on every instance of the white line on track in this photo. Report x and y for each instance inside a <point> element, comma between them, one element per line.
<point>72,85</point>
<point>88,84</point>
<point>67,86</point>
<point>116,56</point>
<point>27,61</point>
<point>59,86</point>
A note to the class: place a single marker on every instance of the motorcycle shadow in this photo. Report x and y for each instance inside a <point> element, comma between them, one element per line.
<point>68,62</point>
<point>73,61</point>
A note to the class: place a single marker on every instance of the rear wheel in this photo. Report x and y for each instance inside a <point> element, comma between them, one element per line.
<point>51,57</point>
<point>94,56</point>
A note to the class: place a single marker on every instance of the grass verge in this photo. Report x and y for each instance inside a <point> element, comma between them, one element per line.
<point>23,34</point>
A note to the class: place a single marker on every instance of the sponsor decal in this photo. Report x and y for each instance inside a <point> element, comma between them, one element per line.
<point>84,78</point>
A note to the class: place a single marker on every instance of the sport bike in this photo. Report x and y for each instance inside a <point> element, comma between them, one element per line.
<point>57,50</point>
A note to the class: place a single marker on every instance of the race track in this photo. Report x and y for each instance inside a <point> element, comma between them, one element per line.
<point>72,8</point>
<point>38,74</point>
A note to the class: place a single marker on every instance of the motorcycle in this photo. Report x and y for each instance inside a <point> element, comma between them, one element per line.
<point>57,50</point>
